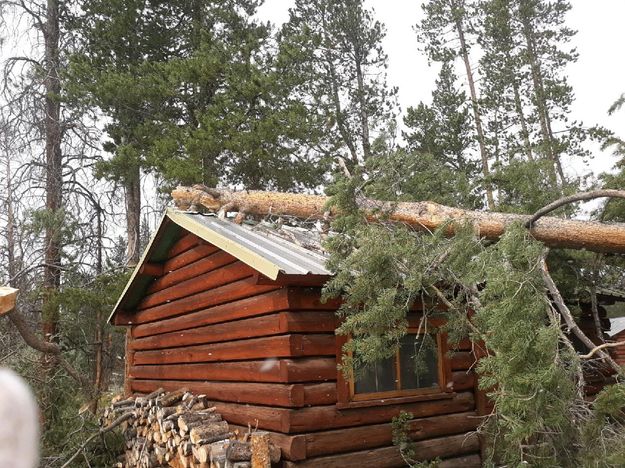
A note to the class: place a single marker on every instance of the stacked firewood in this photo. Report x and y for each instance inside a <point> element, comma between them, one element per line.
<point>178,429</point>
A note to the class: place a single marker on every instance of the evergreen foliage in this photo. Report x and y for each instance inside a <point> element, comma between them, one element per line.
<point>203,101</point>
<point>440,140</point>
<point>331,51</point>
<point>532,372</point>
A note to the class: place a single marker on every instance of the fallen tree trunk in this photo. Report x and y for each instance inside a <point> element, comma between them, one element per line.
<point>7,299</point>
<point>554,232</point>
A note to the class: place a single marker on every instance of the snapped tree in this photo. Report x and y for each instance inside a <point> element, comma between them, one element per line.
<point>531,370</point>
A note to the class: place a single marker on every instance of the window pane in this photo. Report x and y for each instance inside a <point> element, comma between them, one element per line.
<point>418,362</point>
<point>379,377</point>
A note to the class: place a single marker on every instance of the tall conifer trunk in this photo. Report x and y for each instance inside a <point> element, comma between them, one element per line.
<point>11,267</point>
<point>98,377</point>
<point>539,95</point>
<point>364,115</point>
<point>519,110</point>
<point>474,104</point>
<point>133,215</point>
<point>54,173</point>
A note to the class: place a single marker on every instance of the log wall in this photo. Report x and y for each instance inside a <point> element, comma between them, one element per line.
<point>265,354</point>
<point>618,352</point>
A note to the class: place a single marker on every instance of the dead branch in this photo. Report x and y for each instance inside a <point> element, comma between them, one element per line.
<point>104,430</point>
<point>600,347</point>
<point>568,317</point>
<point>48,348</point>
<point>581,196</point>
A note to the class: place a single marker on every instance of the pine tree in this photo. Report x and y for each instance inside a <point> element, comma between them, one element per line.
<point>203,101</point>
<point>334,51</point>
<point>440,136</point>
<point>502,80</point>
<point>444,33</point>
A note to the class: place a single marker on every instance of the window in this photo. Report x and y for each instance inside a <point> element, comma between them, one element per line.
<point>419,369</point>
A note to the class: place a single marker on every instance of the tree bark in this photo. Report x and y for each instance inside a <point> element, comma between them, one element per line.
<point>540,97</point>
<point>519,110</point>
<point>133,216</point>
<point>54,171</point>
<point>364,115</point>
<point>425,215</point>
<point>99,332</point>
<point>570,321</point>
<point>474,105</point>
<point>49,349</point>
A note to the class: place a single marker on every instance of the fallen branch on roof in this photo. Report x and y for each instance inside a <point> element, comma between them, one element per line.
<point>554,232</point>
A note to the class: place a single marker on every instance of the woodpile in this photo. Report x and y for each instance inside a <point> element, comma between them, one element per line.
<point>181,430</point>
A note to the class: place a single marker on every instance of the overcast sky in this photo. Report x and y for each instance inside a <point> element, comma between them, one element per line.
<point>598,77</point>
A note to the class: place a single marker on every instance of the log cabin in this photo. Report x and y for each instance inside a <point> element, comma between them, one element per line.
<point>234,312</point>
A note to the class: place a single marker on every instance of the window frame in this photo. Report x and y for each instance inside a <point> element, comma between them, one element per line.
<point>347,398</point>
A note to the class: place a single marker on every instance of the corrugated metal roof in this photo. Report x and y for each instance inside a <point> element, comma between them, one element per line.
<point>264,251</point>
<point>617,325</point>
<point>290,258</point>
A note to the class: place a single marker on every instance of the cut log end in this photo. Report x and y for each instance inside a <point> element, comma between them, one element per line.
<point>8,297</point>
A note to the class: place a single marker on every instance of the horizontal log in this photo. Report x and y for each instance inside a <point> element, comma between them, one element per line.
<point>151,269</point>
<point>463,380</point>
<point>186,242</point>
<point>270,370</point>
<point>463,345</point>
<point>293,447</point>
<point>380,435</point>
<point>462,360</point>
<point>302,420</point>
<point>320,394</point>
<point>264,303</point>
<point>218,295</point>
<point>270,394</point>
<point>310,299</point>
<point>467,461</point>
<point>188,257</point>
<point>425,215</point>
<point>205,264</point>
<point>266,325</point>
<point>8,296</point>
<point>389,457</point>
<point>239,451</point>
<point>310,419</point>
<point>298,299</point>
<point>257,348</point>
<point>227,274</point>
<point>209,432</point>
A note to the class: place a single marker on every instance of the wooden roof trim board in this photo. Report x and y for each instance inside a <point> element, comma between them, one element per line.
<point>272,256</point>
<point>234,248</point>
<point>137,271</point>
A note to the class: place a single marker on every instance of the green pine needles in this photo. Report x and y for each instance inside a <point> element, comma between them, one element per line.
<point>532,373</point>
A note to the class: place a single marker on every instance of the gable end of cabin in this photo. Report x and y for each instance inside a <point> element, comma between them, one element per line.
<point>238,317</point>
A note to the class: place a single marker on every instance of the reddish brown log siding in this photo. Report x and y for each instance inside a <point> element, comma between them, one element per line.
<point>266,355</point>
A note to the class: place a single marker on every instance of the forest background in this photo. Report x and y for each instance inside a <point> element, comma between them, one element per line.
<point>107,105</point>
